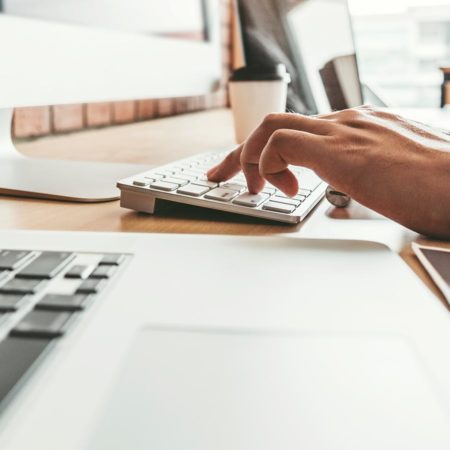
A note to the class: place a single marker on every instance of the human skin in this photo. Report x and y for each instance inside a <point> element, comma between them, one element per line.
<point>397,167</point>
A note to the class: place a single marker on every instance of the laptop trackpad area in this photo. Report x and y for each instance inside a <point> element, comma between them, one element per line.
<point>204,390</point>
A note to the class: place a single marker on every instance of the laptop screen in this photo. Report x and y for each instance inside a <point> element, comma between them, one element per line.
<point>314,39</point>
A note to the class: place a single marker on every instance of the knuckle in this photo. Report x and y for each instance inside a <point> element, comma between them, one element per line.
<point>350,114</point>
<point>272,117</point>
<point>353,118</point>
<point>277,138</point>
<point>271,120</point>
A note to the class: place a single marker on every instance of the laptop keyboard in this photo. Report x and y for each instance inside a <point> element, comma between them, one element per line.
<point>186,182</point>
<point>42,293</point>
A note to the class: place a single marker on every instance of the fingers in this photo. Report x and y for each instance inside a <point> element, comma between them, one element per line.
<point>258,140</point>
<point>298,148</point>
<point>247,156</point>
<point>228,168</point>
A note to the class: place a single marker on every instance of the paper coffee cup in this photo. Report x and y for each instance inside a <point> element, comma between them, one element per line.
<point>256,92</point>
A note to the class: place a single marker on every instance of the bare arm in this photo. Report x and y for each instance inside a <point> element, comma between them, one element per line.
<point>398,168</point>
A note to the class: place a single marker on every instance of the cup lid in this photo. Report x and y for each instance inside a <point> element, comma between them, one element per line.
<point>274,72</point>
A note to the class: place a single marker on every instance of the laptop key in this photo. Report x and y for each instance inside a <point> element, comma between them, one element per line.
<point>91,286</point>
<point>59,302</point>
<point>103,272</point>
<point>221,194</point>
<point>11,302</point>
<point>194,190</point>
<point>46,265</point>
<point>252,201</point>
<point>22,286</point>
<point>79,271</point>
<point>112,259</point>
<point>278,207</point>
<point>17,355</point>
<point>42,324</point>
<point>4,274</point>
<point>12,259</point>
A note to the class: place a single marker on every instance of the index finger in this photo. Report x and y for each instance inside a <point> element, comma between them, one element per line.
<point>228,168</point>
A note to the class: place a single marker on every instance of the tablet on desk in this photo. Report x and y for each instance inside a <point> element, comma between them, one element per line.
<point>437,263</point>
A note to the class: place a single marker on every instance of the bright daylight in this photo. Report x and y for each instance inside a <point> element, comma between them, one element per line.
<point>401,44</point>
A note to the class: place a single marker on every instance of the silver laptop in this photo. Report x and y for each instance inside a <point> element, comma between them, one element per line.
<point>118,341</point>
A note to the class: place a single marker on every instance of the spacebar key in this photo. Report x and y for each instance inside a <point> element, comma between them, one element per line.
<point>46,265</point>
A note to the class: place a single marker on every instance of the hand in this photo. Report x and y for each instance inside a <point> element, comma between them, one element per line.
<point>397,167</point>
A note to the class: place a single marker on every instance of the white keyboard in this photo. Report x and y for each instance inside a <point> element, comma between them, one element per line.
<point>185,182</point>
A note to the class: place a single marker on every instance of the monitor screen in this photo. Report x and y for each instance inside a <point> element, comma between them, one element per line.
<point>185,19</point>
<point>305,35</point>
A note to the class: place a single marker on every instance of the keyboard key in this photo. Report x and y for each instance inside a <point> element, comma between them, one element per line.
<point>154,177</point>
<point>279,207</point>
<point>11,302</point>
<point>221,194</point>
<point>22,286</point>
<point>204,182</point>
<point>16,357</point>
<point>163,186</point>
<point>79,271</point>
<point>46,265</point>
<point>42,324</point>
<point>103,272</point>
<point>269,190</point>
<point>112,259</point>
<point>12,259</point>
<point>178,181</point>
<point>286,200</point>
<point>58,302</point>
<point>194,190</point>
<point>304,192</point>
<point>234,187</point>
<point>191,173</point>
<point>251,201</point>
<point>142,183</point>
<point>189,178</point>
<point>91,286</point>
<point>166,172</point>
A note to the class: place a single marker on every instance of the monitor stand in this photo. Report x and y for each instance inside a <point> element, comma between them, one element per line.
<point>74,181</point>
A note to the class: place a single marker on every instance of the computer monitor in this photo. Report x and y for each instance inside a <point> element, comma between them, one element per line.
<point>75,51</point>
<point>307,36</point>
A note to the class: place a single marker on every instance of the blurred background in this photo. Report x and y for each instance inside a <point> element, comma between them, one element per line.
<point>401,44</point>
